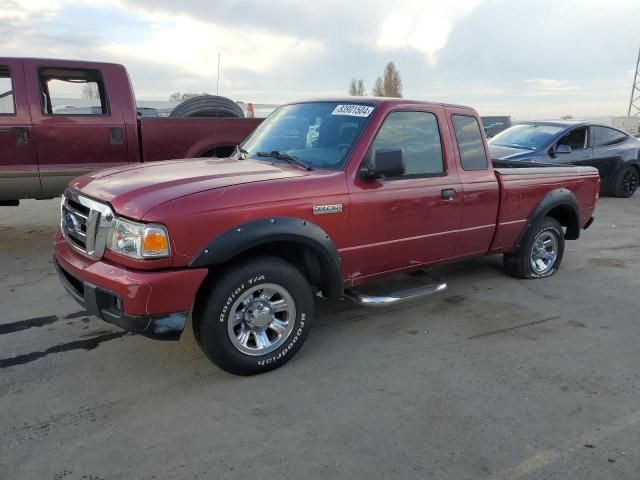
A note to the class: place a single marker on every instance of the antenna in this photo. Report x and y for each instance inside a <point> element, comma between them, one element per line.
<point>634,102</point>
<point>218,82</point>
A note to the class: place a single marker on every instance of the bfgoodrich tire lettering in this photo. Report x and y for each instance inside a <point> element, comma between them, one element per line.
<point>543,243</point>
<point>234,314</point>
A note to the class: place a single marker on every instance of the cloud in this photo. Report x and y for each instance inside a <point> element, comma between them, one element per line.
<point>501,56</point>
<point>423,26</point>
<point>193,46</point>
<point>548,86</point>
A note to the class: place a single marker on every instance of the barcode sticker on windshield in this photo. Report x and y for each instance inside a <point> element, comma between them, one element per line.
<point>353,110</point>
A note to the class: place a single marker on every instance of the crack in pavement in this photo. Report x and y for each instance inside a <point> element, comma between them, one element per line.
<point>88,344</point>
<point>515,327</point>
<point>36,322</point>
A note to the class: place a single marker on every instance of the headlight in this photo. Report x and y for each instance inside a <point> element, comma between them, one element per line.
<point>138,240</point>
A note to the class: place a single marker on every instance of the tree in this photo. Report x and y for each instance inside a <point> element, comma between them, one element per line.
<point>390,84</point>
<point>567,117</point>
<point>175,97</point>
<point>90,91</point>
<point>356,88</point>
<point>378,88</point>
<point>392,81</point>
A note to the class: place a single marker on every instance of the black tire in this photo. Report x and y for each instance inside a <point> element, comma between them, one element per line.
<point>519,264</point>
<point>215,308</point>
<point>626,182</point>
<point>207,106</point>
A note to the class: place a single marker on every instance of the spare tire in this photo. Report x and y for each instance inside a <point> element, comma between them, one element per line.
<point>207,106</point>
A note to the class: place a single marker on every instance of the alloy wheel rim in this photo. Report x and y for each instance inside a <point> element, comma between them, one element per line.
<point>630,182</point>
<point>544,253</point>
<point>261,319</point>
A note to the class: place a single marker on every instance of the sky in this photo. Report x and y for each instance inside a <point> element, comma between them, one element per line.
<point>526,58</point>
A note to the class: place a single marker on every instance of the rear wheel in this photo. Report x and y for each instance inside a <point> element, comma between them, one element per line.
<point>255,317</point>
<point>540,252</point>
<point>627,182</point>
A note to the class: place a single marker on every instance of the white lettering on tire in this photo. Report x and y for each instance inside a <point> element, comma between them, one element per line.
<point>285,350</point>
<point>230,300</point>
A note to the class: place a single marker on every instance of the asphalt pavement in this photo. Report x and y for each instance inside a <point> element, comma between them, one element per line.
<point>495,378</point>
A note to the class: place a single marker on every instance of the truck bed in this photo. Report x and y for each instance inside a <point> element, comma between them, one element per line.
<point>171,138</point>
<point>524,184</point>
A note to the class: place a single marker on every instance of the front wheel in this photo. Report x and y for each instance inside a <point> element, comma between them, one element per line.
<point>255,317</point>
<point>540,252</point>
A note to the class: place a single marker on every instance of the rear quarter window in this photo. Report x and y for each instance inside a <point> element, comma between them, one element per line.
<point>470,145</point>
<point>604,137</point>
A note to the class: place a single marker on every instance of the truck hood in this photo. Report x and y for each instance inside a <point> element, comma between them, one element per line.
<point>510,153</point>
<point>134,190</point>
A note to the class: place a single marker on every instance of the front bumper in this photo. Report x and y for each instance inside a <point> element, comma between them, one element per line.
<point>155,304</point>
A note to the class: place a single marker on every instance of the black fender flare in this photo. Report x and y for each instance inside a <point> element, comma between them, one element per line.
<point>264,231</point>
<point>562,199</point>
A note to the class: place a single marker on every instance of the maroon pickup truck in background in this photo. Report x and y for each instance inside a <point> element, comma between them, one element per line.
<point>43,145</point>
<point>324,198</point>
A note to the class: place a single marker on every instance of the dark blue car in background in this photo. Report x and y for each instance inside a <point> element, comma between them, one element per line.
<point>613,152</point>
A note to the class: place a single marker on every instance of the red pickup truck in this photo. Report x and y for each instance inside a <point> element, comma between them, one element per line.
<point>45,141</point>
<point>324,198</point>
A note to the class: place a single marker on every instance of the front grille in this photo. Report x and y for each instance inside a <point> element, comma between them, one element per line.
<point>85,223</point>
<point>74,222</point>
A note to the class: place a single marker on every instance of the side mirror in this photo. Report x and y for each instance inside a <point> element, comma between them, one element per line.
<point>385,163</point>
<point>563,149</point>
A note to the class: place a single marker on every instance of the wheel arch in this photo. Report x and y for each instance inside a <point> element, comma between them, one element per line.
<point>302,243</point>
<point>560,204</point>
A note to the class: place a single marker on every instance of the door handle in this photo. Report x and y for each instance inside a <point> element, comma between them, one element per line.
<point>20,135</point>
<point>448,193</point>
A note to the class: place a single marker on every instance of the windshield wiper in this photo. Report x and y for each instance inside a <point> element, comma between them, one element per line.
<point>278,155</point>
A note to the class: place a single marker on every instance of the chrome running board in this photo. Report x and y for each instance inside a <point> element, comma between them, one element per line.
<point>392,290</point>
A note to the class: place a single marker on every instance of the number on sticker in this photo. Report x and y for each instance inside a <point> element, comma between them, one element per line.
<point>353,110</point>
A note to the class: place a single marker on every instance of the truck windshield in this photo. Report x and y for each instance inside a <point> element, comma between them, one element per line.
<point>526,136</point>
<point>319,134</point>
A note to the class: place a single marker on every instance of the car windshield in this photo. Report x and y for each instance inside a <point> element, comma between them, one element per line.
<point>526,136</point>
<point>318,134</point>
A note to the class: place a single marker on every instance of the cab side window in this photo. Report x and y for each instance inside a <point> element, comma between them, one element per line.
<point>470,145</point>
<point>7,103</point>
<point>418,136</point>
<point>65,91</point>
<point>604,137</point>
<point>576,139</point>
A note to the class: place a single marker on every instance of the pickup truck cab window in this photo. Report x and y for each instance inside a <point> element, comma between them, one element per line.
<point>472,153</point>
<point>418,136</point>
<point>72,92</point>
<point>320,134</point>
<point>7,104</point>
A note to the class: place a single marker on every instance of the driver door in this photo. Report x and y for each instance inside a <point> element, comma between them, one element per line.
<point>413,219</point>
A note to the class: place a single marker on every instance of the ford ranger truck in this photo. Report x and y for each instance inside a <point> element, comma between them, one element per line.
<point>323,198</point>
